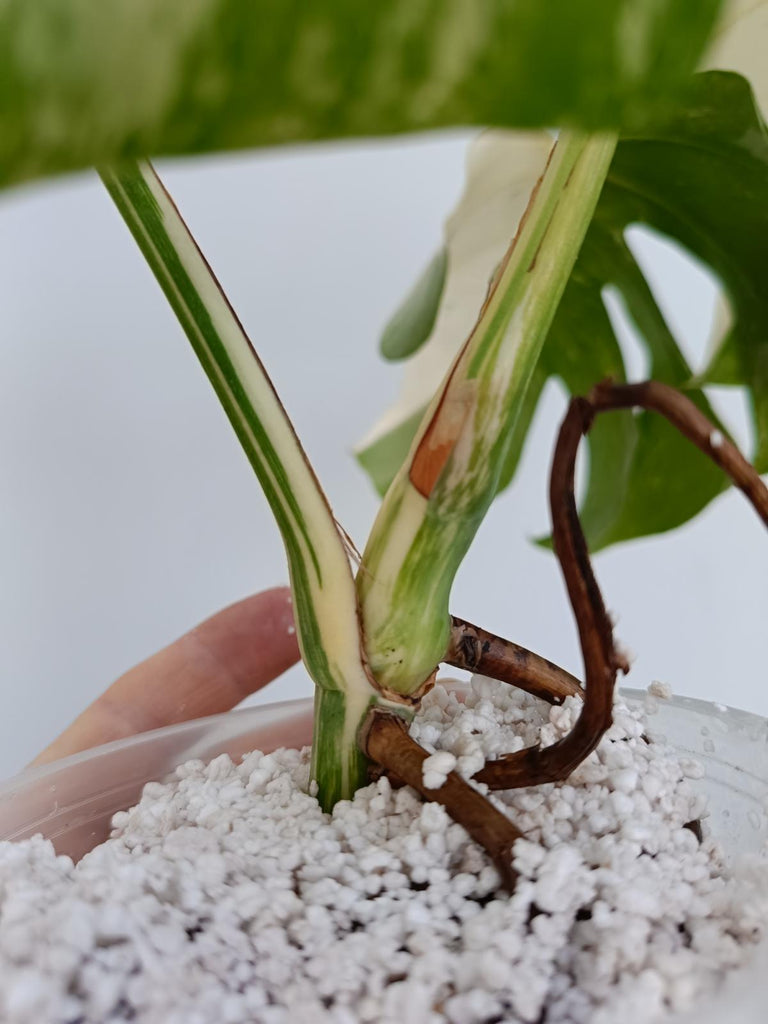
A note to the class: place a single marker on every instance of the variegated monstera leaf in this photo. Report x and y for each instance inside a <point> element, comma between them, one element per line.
<point>87,83</point>
<point>700,178</point>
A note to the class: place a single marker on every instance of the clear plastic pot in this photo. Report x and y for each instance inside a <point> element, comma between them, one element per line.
<point>72,801</point>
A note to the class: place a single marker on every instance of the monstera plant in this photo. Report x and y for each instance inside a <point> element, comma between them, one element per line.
<point>645,134</point>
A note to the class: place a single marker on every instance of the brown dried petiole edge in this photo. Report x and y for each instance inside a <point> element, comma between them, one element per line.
<point>537,765</point>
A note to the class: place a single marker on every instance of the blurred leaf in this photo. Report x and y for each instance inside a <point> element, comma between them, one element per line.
<point>739,44</point>
<point>702,179</point>
<point>84,83</point>
<point>382,459</point>
<point>581,349</point>
<point>413,321</point>
<point>725,367</point>
<point>644,477</point>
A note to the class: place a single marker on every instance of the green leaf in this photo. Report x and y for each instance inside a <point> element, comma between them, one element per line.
<point>725,367</point>
<point>382,459</point>
<point>84,83</point>
<point>581,349</point>
<point>705,183</point>
<point>644,477</point>
<point>413,321</point>
<point>701,178</point>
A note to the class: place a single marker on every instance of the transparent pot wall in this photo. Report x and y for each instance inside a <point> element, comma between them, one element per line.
<point>71,802</point>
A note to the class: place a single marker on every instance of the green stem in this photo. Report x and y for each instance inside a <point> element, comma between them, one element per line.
<point>440,496</point>
<point>339,767</point>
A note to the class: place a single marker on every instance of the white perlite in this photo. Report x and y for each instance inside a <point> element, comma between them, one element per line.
<point>227,896</point>
<point>437,767</point>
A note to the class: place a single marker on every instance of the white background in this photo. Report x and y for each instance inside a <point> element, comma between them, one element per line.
<point>128,513</point>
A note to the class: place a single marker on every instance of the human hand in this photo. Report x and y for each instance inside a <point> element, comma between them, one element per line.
<point>208,670</point>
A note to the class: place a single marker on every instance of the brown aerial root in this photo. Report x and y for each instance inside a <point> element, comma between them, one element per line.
<point>385,738</point>
<point>537,765</point>
<point>387,742</point>
<point>477,650</point>
<point>693,424</point>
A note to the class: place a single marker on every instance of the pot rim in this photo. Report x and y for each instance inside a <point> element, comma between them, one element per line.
<point>302,706</point>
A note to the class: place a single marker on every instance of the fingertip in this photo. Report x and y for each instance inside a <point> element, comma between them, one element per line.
<point>253,640</point>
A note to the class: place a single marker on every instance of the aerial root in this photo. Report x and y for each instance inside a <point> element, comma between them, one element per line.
<point>476,650</point>
<point>386,740</point>
<point>602,659</point>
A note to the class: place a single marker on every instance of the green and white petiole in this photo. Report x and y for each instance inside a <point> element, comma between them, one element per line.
<point>321,579</point>
<point>438,499</point>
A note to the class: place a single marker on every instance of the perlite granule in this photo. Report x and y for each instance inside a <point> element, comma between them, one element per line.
<point>227,896</point>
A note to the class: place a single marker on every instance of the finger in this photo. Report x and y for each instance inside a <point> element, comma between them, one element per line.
<point>209,670</point>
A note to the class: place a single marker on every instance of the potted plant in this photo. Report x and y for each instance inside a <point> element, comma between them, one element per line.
<point>513,298</point>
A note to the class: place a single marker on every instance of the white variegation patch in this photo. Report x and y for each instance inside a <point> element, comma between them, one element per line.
<point>502,170</point>
<point>740,43</point>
